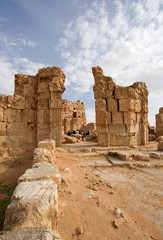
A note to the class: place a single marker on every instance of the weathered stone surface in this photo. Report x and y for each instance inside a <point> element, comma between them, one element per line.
<point>34,204</point>
<point>69,139</point>
<point>159,123</point>
<point>42,155</point>
<point>32,233</point>
<point>33,113</point>
<point>121,112</point>
<point>41,171</point>
<point>73,116</point>
<point>160,146</point>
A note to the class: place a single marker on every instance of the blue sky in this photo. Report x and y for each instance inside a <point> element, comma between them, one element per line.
<point>123,37</point>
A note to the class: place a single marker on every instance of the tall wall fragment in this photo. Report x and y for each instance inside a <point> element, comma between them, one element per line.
<point>73,115</point>
<point>33,113</point>
<point>121,112</point>
<point>159,123</point>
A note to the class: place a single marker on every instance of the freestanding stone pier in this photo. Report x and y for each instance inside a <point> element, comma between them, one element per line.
<point>121,112</point>
<point>33,113</point>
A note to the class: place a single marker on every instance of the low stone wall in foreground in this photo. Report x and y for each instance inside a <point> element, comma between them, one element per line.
<point>32,213</point>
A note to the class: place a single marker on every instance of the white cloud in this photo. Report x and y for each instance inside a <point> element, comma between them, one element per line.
<point>126,43</point>
<point>9,67</point>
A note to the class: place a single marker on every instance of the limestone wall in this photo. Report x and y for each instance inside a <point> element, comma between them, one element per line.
<point>33,113</point>
<point>159,123</point>
<point>32,213</point>
<point>121,112</point>
<point>159,129</point>
<point>73,116</point>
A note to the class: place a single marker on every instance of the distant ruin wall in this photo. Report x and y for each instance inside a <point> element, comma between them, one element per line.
<point>33,113</point>
<point>121,112</point>
<point>159,123</point>
<point>73,116</point>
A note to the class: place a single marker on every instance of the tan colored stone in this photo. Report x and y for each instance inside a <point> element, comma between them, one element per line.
<point>120,111</point>
<point>117,118</point>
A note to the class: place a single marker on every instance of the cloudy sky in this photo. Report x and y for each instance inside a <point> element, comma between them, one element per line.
<point>123,37</point>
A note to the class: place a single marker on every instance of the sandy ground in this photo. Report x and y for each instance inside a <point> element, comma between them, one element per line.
<point>90,195</point>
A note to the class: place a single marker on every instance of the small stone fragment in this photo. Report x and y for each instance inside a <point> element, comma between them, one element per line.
<point>118,222</point>
<point>79,230</point>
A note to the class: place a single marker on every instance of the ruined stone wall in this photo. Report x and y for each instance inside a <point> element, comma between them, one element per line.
<point>73,116</point>
<point>33,210</point>
<point>159,123</point>
<point>33,113</point>
<point>121,112</point>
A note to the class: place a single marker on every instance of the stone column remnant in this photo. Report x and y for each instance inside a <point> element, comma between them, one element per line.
<point>49,104</point>
<point>33,113</point>
<point>159,123</point>
<point>159,129</point>
<point>121,112</point>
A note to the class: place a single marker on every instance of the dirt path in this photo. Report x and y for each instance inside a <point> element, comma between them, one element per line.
<point>90,195</point>
<point>94,193</point>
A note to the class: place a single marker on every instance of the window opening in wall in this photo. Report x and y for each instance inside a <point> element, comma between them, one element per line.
<point>118,105</point>
<point>106,101</point>
<point>111,117</point>
<point>113,93</point>
<point>74,115</point>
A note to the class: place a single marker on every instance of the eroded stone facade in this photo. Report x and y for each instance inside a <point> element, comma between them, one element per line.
<point>159,123</point>
<point>159,129</point>
<point>73,116</point>
<point>33,113</point>
<point>121,112</point>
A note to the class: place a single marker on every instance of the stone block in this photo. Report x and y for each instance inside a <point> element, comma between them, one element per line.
<point>9,141</point>
<point>103,139</point>
<point>1,114</point>
<point>103,117</point>
<point>100,105</point>
<point>121,92</point>
<point>119,140</point>
<point>12,115</point>
<point>40,116</point>
<point>124,105</point>
<point>28,116</point>
<point>17,151</point>
<point>31,233</point>
<point>161,110</point>
<point>112,105</point>
<point>109,93</point>
<point>43,104</point>
<point>30,103</point>
<point>117,117</point>
<point>160,146</point>
<point>48,144</point>
<point>34,204</point>
<point>2,128</point>
<point>102,128</point>
<point>138,106</point>
<point>118,129</point>
<point>130,117</point>
<point>55,103</point>
<point>17,129</point>
<point>29,90</point>
<point>43,87</point>
<point>41,171</point>
<point>152,137</point>
<point>18,102</point>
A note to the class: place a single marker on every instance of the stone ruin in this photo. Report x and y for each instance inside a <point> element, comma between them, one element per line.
<point>73,116</point>
<point>121,112</point>
<point>159,128</point>
<point>33,113</point>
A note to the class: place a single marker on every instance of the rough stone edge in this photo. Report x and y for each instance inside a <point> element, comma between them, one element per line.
<point>26,232</point>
